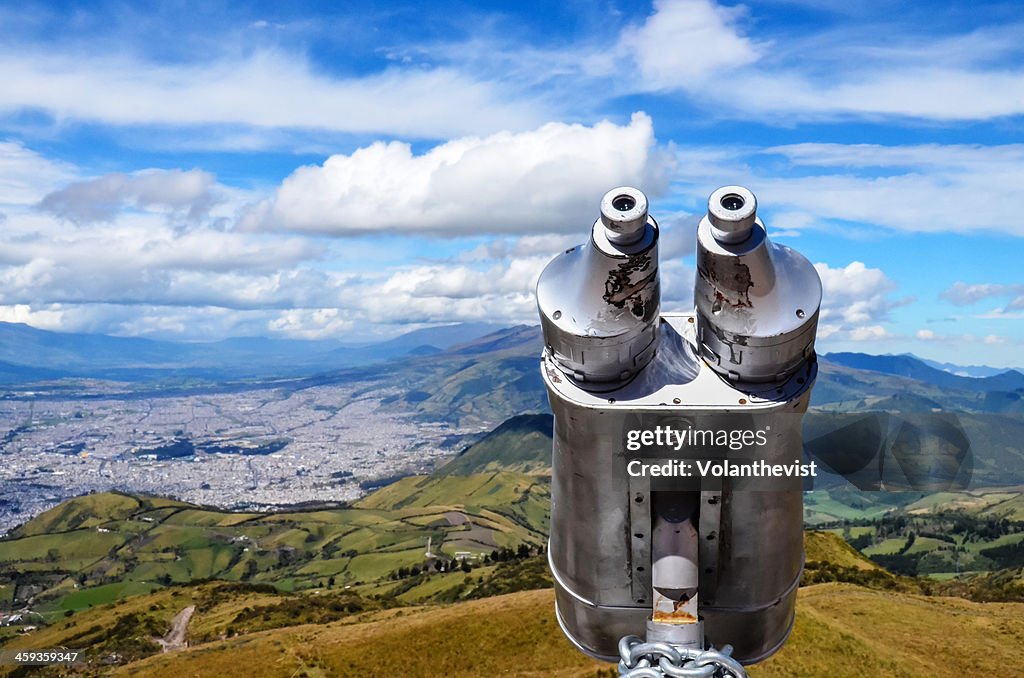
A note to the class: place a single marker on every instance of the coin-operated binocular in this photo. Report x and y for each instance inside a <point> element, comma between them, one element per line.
<point>645,539</point>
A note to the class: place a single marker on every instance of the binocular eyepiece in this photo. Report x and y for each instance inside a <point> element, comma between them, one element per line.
<point>756,302</point>
<point>599,302</point>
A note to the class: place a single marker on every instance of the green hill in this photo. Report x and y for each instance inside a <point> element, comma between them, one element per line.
<point>483,382</point>
<point>91,511</point>
<point>522,443</point>
<point>114,545</point>
<point>340,591</point>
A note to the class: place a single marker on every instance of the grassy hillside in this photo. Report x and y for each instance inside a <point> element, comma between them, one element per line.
<point>841,631</point>
<point>830,548</point>
<point>482,382</point>
<point>450,622</point>
<point>98,548</point>
<point>522,443</point>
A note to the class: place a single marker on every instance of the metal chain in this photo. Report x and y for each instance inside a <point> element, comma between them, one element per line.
<point>639,659</point>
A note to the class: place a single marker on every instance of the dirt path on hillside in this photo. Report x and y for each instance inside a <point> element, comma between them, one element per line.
<point>175,638</point>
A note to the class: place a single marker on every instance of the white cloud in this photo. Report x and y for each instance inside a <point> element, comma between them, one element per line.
<point>317,323</point>
<point>995,339</point>
<point>189,194</point>
<point>517,275</point>
<point>1002,314</point>
<point>920,188</point>
<point>933,156</point>
<point>523,246</point>
<point>129,247</point>
<point>47,318</point>
<point>178,322</point>
<point>964,294</point>
<point>538,181</point>
<point>925,335</point>
<point>869,333</point>
<point>26,176</point>
<point>677,280</point>
<point>683,44</point>
<point>698,47</point>
<point>855,301</point>
<point>143,259</point>
<point>893,89</point>
<point>266,89</point>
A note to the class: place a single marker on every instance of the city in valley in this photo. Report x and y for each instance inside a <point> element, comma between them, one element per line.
<point>252,449</point>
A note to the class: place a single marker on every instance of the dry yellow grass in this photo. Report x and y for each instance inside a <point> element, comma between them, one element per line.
<point>513,635</point>
<point>842,631</point>
<point>831,548</point>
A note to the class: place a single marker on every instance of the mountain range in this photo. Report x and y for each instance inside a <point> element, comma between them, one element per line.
<point>29,354</point>
<point>910,366</point>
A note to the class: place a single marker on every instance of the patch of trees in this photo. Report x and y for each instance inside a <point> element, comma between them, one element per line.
<point>1007,555</point>
<point>821,572</point>
<point>898,563</point>
<point>945,526</point>
<point>506,554</point>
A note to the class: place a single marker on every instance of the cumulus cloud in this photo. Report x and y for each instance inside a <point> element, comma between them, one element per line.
<point>189,194</point>
<point>206,268</point>
<point>683,43</point>
<point>856,300</point>
<point>517,275</point>
<point>127,269</point>
<point>538,181</point>
<point>129,249</point>
<point>178,322</point>
<point>139,257</point>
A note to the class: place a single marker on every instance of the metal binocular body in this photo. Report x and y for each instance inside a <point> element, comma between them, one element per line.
<point>644,539</point>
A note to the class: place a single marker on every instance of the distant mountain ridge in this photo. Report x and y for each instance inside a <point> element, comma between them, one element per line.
<point>966,370</point>
<point>915,368</point>
<point>29,354</point>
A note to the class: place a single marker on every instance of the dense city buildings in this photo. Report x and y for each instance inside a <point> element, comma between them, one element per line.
<point>251,449</point>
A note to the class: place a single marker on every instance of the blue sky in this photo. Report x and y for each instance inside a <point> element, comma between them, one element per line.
<point>316,170</point>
